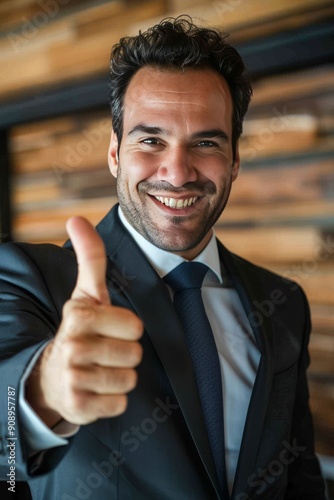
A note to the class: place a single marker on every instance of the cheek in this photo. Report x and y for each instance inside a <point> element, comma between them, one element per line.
<point>219,174</point>
<point>141,166</point>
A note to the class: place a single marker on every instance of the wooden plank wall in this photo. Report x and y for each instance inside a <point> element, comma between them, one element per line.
<point>281,211</point>
<point>71,43</point>
<point>47,42</point>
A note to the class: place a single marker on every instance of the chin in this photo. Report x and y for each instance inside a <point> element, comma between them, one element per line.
<point>177,245</point>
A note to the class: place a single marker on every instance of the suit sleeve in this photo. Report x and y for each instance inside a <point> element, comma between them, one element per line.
<point>29,318</point>
<point>304,477</point>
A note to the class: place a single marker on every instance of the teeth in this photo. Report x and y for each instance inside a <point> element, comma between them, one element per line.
<point>174,203</point>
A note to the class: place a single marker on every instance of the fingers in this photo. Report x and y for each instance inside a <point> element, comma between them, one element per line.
<point>82,318</point>
<point>88,377</point>
<point>85,407</point>
<point>88,369</point>
<point>107,352</point>
<point>92,261</point>
<point>102,380</point>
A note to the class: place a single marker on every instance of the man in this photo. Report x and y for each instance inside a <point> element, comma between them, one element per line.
<point>108,381</point>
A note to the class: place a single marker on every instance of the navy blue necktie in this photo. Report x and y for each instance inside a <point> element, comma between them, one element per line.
<point>186,282</point>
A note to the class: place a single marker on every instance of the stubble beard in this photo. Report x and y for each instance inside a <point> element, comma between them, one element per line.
<point>175,240</point>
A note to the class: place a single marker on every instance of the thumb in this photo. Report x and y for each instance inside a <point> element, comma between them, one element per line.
<point>92,261</point>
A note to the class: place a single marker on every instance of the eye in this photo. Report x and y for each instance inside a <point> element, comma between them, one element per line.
<point>206,144</point>
<point>151,141</point>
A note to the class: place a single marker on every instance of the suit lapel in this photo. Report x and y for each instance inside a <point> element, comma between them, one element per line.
<point>129,272</point>
<point>130,275</point>
<point>248,291</point>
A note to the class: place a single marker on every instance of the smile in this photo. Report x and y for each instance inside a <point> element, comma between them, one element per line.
<point>174,203</point>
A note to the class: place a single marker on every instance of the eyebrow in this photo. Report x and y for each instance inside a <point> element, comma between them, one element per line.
<point>141,128</point>
<point>210,134</point>
<point>202,134</point>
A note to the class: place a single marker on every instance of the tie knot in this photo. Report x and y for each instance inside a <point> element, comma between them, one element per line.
<point>186,275</point>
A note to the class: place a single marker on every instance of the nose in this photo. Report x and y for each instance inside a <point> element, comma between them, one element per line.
<point>177,167</point>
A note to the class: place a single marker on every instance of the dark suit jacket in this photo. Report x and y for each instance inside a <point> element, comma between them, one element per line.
<point>158,449</point>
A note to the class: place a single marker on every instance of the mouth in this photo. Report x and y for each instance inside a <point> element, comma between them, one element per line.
<point>177,204</point>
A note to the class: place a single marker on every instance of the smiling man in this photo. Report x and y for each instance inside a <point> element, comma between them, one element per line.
<point>141,366</point>
<point>177,160</point>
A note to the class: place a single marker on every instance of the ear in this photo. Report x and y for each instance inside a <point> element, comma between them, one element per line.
<point>236,163</point>
<point>113,154</point>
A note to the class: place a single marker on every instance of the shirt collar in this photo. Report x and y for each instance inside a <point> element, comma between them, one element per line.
<point>164,262</point>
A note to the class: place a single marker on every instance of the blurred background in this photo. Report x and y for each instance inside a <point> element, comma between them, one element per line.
<point>55,126</point>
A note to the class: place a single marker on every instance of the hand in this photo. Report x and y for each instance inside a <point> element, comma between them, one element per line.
<point>86,372</point>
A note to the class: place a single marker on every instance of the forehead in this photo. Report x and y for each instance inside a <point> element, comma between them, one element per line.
<point>191,92</point>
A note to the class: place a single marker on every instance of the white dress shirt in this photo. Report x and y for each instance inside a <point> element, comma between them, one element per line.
<point>238,353</point>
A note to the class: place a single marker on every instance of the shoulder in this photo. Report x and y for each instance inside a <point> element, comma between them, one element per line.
<point>41,257</point>
<point>38,268</point>
<point>274,300</point>
<point>23,252</point>
<point>265,281</point>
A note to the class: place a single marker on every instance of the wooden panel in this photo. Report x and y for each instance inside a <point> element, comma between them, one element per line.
<point>45,48</point>
<point>66,47</point>
<point>277,213</point>
<point>322,406</point>
<point>49,225</point>
<point>80,146</point>
<point>299,181</point>
<point>234,13</point>
<point>26,13</point>
<point>251,19</point>
<point>273,244</point>
<point>323,317</point>
<point>316,81</point>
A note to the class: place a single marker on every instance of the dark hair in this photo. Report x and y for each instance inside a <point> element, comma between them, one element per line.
<point>177,43</point>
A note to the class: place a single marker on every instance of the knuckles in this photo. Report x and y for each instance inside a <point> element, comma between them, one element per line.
<point>90,390</point>
<point>100,380</point>
<point>81,316</point>
<point>78,315</point>
<point>136,353</point>
<point>112,406</point>
<point>123,380</point>
<point>81,410</point>
<point>137,327</point>
<point>72,350</point>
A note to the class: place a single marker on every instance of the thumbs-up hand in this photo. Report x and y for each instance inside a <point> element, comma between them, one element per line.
<point>86,372</point>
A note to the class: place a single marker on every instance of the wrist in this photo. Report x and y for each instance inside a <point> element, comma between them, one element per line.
<point>34,393</point>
